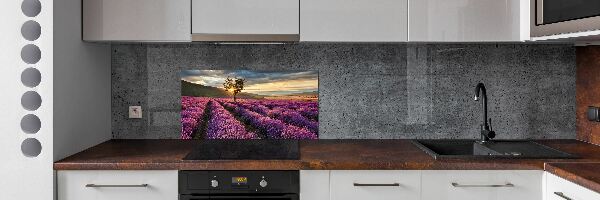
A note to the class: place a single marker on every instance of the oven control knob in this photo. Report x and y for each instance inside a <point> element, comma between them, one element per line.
<point>263,183</point>
<point>214,183</point>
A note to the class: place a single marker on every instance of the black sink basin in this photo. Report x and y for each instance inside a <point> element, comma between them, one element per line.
<point>471,149</point>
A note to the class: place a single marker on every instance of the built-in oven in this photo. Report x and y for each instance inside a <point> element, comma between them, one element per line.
<point>552,17</point>
<point>234,185</point>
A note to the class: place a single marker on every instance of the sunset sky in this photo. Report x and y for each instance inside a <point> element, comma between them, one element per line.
<point>271,83</point>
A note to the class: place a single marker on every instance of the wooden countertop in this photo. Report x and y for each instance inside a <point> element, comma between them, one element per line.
<point>331,155</point>
<point>584,174</point>
<point>317,154</point>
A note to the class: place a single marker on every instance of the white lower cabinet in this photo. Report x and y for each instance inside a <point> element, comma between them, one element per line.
<point>314,184</point>
<point>482,185</point>
<point>560,189</point>
<point>422,184</point>
<point>375,185</point>
<point>117,185</point>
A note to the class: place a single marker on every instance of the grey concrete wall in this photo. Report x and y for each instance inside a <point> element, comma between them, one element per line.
<point>369,90</point>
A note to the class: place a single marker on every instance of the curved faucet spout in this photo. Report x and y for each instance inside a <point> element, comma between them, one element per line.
<point>480,93</point>
<point>481,88</point>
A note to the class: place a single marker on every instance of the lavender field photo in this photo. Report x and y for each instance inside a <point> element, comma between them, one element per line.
<point>246,104</point>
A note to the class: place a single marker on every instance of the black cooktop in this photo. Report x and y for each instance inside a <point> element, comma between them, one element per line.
<point>245,150</point>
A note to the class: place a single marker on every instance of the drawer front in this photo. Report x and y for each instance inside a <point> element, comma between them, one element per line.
<point>560,189</point>
<point>117,185</point>
<point>482,185</point>
<point>376,185</point>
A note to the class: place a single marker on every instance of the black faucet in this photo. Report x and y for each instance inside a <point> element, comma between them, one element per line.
<point>486,129</point>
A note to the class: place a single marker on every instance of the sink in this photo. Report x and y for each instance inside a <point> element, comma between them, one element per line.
<point>471,149</point>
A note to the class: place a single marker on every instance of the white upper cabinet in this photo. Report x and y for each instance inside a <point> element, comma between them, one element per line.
<point>136,20</point>
<point>354,20</point>
<point>468,20</point>
<point>245,20</point>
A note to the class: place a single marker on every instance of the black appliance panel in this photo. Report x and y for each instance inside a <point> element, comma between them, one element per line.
<point>245,150</point>
<point>274,182</point>
<point>555,11</point>
<point>249,197</point>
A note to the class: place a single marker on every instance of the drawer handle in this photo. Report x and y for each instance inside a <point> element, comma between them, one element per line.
<point>114,186</point>
<point>491,185</point>
<point>376,184</point>
<point>560,194</point>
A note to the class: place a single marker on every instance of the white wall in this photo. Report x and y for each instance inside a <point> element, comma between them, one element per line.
<point>24,177</point>
<point>82,89</point>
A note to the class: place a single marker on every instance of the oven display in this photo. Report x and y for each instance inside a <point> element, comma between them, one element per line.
<point>239,180</point>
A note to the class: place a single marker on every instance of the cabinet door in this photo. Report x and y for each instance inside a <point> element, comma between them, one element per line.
<point>482,185</point>
<point>561,189</point>
<point>314,185</point>
<point>353,21</point>
<point>376,185</point>
<point>468,20</point>
<point>136,20</point>
<point>245,16</point>
<point>117,185</point>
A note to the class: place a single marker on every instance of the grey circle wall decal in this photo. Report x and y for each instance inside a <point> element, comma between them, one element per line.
<point>31,54</point>
<point>31,8</point>
<point>31,30</point>
<point>31,147</point>
<point>31,100</point>
<point>30,124</point>
<point>31,77</point>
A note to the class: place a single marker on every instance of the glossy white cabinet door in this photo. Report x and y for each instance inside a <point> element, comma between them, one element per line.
<point>393,185</point>
<point>560,189</point>
<point>245,16</point>
<point>353,20</point>
<point>314,185</point>
<point>468,20</point>
<point>162,185</point>
<point>136,20</point>
<point>482,185</point>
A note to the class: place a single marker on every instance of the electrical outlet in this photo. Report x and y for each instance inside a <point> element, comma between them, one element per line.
<point>135,112</point>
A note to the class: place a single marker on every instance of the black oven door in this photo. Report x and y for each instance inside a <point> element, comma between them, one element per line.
<point>241,197</point>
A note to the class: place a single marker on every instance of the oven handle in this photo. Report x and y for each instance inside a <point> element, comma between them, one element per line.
<point>286,196</point>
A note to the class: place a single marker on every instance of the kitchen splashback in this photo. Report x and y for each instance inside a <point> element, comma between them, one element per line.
<point>368,91</point>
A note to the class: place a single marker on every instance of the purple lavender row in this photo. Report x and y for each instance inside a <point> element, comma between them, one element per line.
<point>273,128</point>
<point>286,115</point>
<point>307,109</point>
<point>290,104</point>
<point>222,125</point>
<point>309,113</point>
<point>191,115</point>
<point>294,118</point>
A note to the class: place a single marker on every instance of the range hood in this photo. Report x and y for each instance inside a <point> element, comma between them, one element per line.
<point>245,21</point>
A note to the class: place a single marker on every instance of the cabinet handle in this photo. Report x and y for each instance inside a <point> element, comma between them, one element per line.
<point>491,185</point>
<point>561,195</point>
<point>114,186</point>
<point>376,185</point>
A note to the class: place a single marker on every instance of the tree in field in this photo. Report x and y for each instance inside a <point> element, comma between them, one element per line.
<point>234,86</point>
